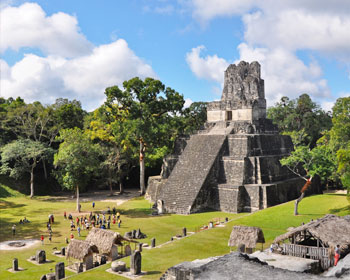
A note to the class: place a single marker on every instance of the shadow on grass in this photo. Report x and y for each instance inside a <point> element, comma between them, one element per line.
<point>8,204</point>
<point>137,212</point>
<point>4,192</point>
<point>335,194</point>
<point>24,231</point>
<point>153,272</point>
<point>338,210</point>
<point>54,199</point>
<point>140,213</point>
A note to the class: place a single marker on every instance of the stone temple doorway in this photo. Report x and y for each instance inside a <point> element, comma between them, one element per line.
<point>229,115</point>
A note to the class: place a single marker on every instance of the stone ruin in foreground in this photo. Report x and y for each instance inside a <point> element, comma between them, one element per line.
<point>232,164</point>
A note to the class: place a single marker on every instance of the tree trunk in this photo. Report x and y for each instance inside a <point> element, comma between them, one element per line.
<point>32,182</point>
<point>303,190</point>
<point>78,204</point>
<point>111,187</point>
<point>32,179</point>
<point>110,182</point>
<point>45,171</point>
<point>297,203</point>
<point>142,168</point>
<point>121,187</point>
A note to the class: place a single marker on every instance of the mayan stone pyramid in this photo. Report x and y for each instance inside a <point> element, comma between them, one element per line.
<point>232,164</point>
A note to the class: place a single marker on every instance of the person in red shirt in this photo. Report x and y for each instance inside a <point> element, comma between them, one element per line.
<point>71,236</point>
<point>337,255</point>
<point>42,239</point>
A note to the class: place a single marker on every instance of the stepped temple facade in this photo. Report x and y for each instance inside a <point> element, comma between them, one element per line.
<point>232,164</point>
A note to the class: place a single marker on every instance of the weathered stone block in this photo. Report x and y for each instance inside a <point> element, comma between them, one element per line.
<point>15,264</point>
<point>118,266</point>
<point>59,270</point>
<point>40,256</point>
<point>135,263</point>
<point>153,242</point>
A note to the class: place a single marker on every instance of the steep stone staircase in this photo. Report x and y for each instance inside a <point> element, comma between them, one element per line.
<point>190,172</point>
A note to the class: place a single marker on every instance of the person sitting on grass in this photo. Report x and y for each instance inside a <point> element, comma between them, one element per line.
<point>70,217</point>
<point>72,236</point>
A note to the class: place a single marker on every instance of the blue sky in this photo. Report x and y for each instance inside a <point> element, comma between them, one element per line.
<point>75,49</point>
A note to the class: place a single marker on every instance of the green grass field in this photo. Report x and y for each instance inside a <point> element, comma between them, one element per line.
<point>135,214</point>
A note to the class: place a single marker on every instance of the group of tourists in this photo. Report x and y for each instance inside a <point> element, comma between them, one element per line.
<point>99,220</point>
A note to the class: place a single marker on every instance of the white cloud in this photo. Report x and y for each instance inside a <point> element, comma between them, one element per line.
<point>298,29</point>
<point>74,68</point>
<point>209,67</point>
<point>319,25</point>
<point>188,102</point>
<point>204,10</point>
<point>29,26</point>
<point>284,73</point>
<point>327,105</point>
<point>274,31</point>
<point>83,78</point>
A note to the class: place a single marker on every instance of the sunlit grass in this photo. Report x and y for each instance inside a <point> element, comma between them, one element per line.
<point>136,214</point>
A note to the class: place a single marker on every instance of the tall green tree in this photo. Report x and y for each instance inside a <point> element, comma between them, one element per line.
<point>147,104</point>
<point>340,139</point>
<point>22,156</point>
<point>76,159</point>
<point>193,117</point>
<point>68,114</point>
<point>301,115</point>
<point>116,149</point>
<point>6,124</point>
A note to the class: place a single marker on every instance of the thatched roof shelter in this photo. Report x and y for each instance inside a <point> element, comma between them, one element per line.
<point>248,236</point>
<point>79,249</point>
<point>105,239</point>
<point>330,230</point>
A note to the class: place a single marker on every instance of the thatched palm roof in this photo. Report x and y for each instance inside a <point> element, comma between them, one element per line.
<point>79,249</point>
<point>248,236</point>
<point>104,239</point>
<point>331,230</point>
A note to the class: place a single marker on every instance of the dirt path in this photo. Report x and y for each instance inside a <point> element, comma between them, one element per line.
<point>100,196</point>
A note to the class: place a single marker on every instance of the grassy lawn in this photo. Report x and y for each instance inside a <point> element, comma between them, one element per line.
<point>135,214</point>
